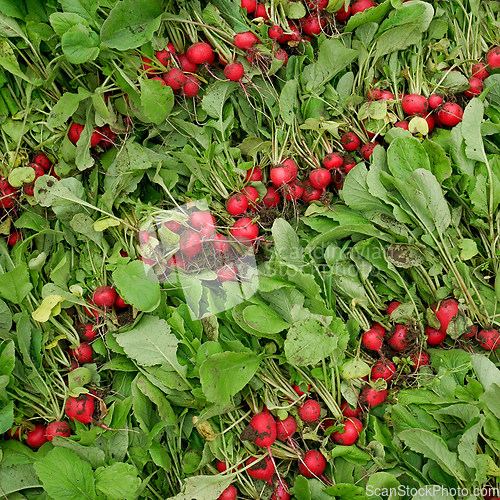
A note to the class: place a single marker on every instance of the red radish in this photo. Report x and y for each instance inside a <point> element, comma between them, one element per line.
<point>434,337</point>
<point>261,469</point>
<point>310,193</point>
<point>374,93</point>
<point>316,5</point>
<point>252,195</point>
<point>471,332</point>
<point>42,160</point>
<point>249,6</point>
<point>367,149</point>
<point>350,141</point>
<point>36,437</point>
<point>420,359</point>
<point>88,334</point>
<point>333,161</point>
<point>272,198</point>
<point>14,238</point>
<point>282,491</point>
<point>320,178</point>
<point>384,369</point>
<point>229,493</point>
<point>146,66</point>
<point>288,162</point>
<point>246,40</point>
<point>295,31</point>
<point>80,408</point>
<point>415,104</point>
<point>234,71</point>
<point>282,174</point>
<point>149,262</point>
<point>281,55</point>
<point>143,237</point>
<point>488,339</point>
<point>430,122</point>
<point>393,306</point>
<point>173,226</point>
<point>7,197</point>
<point>451,114</point>
<point>199,53</point>
<point>476,87</point>
<point>386,96</point>
<point>57,428</point>
<point>104,296</point>
<point>221,466</point>
<point>312,24</point>
<point>75,131</point>
<point>254,175</point>
<point>373,339</point>
<point>435,100</point>
<point>362,5</point>
<point>297,389</point>
<point>312,464</point>
<point>374,397</point>
<point>398,339</point>
<point>347,411</point>
<point>286,428</point>
<point>227,273</point>
<point>261,11</point>
<point>203,222</point>
<point>352,429</point>
<point>163,57</point>
<point>275,32</point>
<point>221,244</point>
<point>186,65</point>
<point>480,70</point>
<point>310,411</point>
<point>493,58</point>
<point>245,231</point>
<point>264,427</point>
<point>342,14</point>
<point>108,136</point>
<point>294,190</point>
<point>177,261</point>
<point>29,189</point>
<point>15,434</point>
<point>120,303</point>
<point>446,312</point>
<point>95,138</point>
<point>158,79</point>
<point>175,78</point>
<point>349,163</point>
<point>190,243</point>
<point>191,87</point>
<point>83,353</point>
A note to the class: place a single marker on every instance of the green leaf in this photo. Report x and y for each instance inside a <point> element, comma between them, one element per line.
<point>92,454</point>
<point>132,157</point>
<point>289,102</point>
<point>63,21</point>
<point>21,175</point>
<point>15,285</point>
<point>420,13</point>
<point>6,417</point>
<point>66,106</point>
<point>493,81</point>
<point>491,398</point>
<point>345,491</point>
<point>84,225</point>
<point>80,44</point>
<point>264,319</point>
<point>397,38</point>
<point>204,487</point>
<point>224,374</point>
<point>486,371</point>
<point>471,130</point>
<point>8,60</point>
<point>17,478</point>
<point>131,23</point>
<point>467,446</point>
<point>301,488</point>
<point>85,8</point>
<point>382,480</point>
<point>66,476</point>
<point>286,242</point>
<point>13,8</point>
<point>406,154</point>
<point>135,287</point>
<point>216,96</point>
<point>158,398</point>
<point>372,15</point>
<point>440,162</point>
<point>157,100</point>
<point>119,481</point>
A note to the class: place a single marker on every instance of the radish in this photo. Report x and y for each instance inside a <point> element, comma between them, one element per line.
<point>446,312</point>
<point>83,353</point>
<point>471,332</point>
<point>393,306</point>
<point>312,25</point>
<point>374,397</point>
<point>252,195</point>
<point>347,411</point>
<point>282,174</point>
<point>342,14</point>
<point>177,261</point>
<point>264,427</point>
<point>434,337</point>
<point>373,339</point>
<point>316,5</point>
<point>199,53</point>
<point>74,132</point>
<point>80,408</point>
<point>234,71</point>
<point>367,149</point>
<point>286,428</point>
<point>288,162</point>
<point>57,428</point>
<point>352,429</point>
<point>36,437</point>
<point>451,114</point>
<point>310,193</point>
<point>262,469</point>
<point>143,237</point>
<point>221,244</point>
<point>312,464</point>
<point>42,160</point>
<point>295,32</point>
<point>420,359</point>
<point>374,93</point>
<point>190,244</point>
<point>430,122</point>
<point>384,369</point>
<point>149,262</point>
<point>398,339</point>
<point>488,339</point>
<point>493,58</point>
<point>349,163</point>
<point>310,411</point>
<point>480,70</point>
<point>87,333</point>
<point>261,11</point>
<point>350,141</point>
<point>7,197</point>
<point>245,231</point>
<point>15,434</point>
<point>175,78</point>
<point>249,6</point>
<point>14,238</point>
<point>476,87</point>
<point>435,100</point>
<point>362,5</point>
<point>320,178</point>
<point>272,198</point>
<point>254,175</point>
<point>386,96</point>
<point>163,57</point>
<point>281,55</point>
<point>299,392</point>
<point>173,226</point>
<point>415,104</point>
<point>282,491</point>
<point>186,65</point>
<point>191,87</point>
<point>294,190</point>
<point>158,79</point>
<point>229,493</point>
<point>104,296</point>
<point>333,161</point>
<point>246,40</point>
<point>227,273</point>
<point>275,32</point>
<point>221,466</point>
<point>203,222</point>
<point>120,303</point>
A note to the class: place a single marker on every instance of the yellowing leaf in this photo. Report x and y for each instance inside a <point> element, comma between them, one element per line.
<point>47,307</point>
<point>55,342</point>
<point>102,224</point>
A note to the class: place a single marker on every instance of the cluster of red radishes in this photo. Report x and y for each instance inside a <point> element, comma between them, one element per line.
<point>103,136</point>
